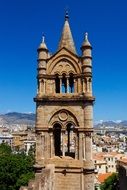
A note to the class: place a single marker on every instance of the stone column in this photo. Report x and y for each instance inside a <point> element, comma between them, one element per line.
<point>63,144</point>
<point>39,87</point>
<point>60,84</point>
<point>84,154</point>
<point>75,89</point>
<point>88,146</point>
<point>44,87</point>
<point>43,144</point>
<point>76,147</point>
<point>53,148</point>
<point>90,85</point>
<point>53,86</point>
<point>87,84</point>
<point>40,143</point>
<point>88,124</point>
<point>51,145</point>
<point>80,146</point>
<point>88,115</point>
<point>83,85</point>
<point>68,84</point>
<point>78,85</point>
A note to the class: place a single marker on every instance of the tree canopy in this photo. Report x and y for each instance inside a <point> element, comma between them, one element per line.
<point>111,183</point>
<point>16,169</point>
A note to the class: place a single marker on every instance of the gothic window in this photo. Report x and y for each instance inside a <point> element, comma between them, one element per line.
<point>57,84</point>
<point>70,141</point>
<point>64,84</point>
<point>71,83</point>
<point>57,139</point>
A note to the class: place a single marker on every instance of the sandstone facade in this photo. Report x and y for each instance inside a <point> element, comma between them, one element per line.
<point>64,115</point>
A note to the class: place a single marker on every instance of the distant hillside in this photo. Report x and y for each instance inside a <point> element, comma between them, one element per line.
<point>111,124</point>
<point>29,119</point>
<point>17,118</point>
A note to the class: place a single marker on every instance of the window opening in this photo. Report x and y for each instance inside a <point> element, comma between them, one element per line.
<point>71,84</point>
<point>57,139</point>
<point>57,84</point>
<point>64,84</point>
<point>70,141</point>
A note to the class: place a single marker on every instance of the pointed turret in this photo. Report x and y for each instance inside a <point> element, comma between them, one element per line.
<point>86,42</point>
<point>43,44</point>
<point>87,65</point>
<point>66,37</point>
<point>42,56</point>
<point>86,48</point>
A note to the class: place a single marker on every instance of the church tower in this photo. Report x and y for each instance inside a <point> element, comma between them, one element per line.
<point>64,113</point>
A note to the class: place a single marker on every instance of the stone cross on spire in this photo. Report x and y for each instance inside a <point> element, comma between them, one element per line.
<point>66,37</point>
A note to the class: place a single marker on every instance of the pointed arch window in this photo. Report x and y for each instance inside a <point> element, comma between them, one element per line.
<point>64,84</point>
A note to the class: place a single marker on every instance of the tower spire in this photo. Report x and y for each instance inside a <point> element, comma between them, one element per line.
<point>66,15</point>
<point>66,37</point>
<point>43,38</point>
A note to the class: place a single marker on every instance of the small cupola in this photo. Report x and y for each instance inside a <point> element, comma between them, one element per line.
<point>86,47</point>
<point>42,49</point>
<point>43,45</point>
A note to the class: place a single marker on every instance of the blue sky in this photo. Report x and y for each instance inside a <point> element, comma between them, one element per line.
<point>22,23</point>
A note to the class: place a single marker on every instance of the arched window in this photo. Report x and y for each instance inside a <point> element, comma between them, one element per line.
<point>70,141</point>
<point>57,84</point>
<point>71,83</point>
<point>57,139</point>
<point>64,84</point>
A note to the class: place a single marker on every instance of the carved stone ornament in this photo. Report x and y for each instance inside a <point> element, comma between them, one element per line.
<point>88,134</point>
<point>63,115</point>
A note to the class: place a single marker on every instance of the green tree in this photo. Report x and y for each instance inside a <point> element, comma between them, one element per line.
<point>15,169</point>
<point>5,149</point>
<point>111,183</point>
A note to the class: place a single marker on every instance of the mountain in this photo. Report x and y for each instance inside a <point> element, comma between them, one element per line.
<point>17,118</point>
<point>118,123</point>
<point>29,119</point>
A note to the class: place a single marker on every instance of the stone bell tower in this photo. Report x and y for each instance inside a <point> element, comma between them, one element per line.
<point>64,113</point>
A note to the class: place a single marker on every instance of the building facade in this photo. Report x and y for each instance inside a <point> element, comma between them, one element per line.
<point>64,115</point>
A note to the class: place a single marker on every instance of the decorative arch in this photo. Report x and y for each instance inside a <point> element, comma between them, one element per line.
<point>63,63</point>
<point>63,117</point>
<point>64,126</point>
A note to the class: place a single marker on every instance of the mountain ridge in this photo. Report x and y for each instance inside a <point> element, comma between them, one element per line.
<point>17,118</point>
<point>29,119</point>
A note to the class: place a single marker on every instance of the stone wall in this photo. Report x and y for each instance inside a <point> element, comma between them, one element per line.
<point>69,181</point>
<point>42,181</point>
<point>67,178</point>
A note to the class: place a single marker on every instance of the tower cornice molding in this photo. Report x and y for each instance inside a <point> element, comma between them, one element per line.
<point>79,98</point>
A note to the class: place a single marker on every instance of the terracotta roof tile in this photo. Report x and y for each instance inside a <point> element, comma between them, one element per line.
<point>102,177</point>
